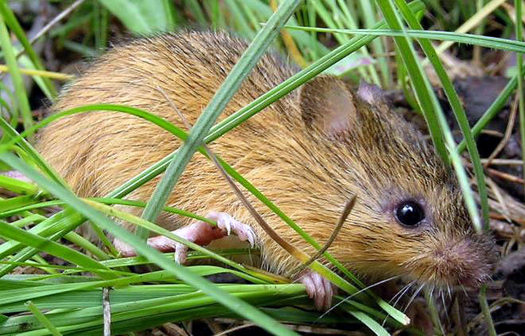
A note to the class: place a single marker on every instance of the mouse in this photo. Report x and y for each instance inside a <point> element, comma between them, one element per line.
<point>309,153</point>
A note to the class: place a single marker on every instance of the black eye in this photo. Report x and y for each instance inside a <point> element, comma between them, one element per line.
<point>410,213</point>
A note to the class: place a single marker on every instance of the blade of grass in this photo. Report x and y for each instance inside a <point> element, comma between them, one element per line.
<point>491,330</point>
<point>10,132</point>
<point>42,319</point>
<point>239,20</point>
<point>478,40</point>
<point>329,20</point>
<point>41,73</point>
<point>142,17</point>
<point>492,111</point>
<point>197,12</point>
<point>18,83</point>
<point>17,186</point>
<point>369,15</point>
<point>51,247</point>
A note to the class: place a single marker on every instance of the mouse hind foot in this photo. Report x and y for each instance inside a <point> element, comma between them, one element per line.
<point>200,233</point>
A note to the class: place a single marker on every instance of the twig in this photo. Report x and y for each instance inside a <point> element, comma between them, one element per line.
<point>505,176</point>
<point>239,327</point>
<point>507,134</point>
<point>520,221</point>
<point>503,162</point>
<point>106,307</point>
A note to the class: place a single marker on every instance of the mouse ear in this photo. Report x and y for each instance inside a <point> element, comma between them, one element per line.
<point>370,93</point>
<point>328,104</point>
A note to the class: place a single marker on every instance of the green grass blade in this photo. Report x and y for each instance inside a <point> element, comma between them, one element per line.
<point>66,253</point>
<point>43,319</point>
<point>17,186</point>
<point>197,12</point>
<point>477,40</point>
<point>485,309</point>
<point>142,17</point>
<point>20,91</point>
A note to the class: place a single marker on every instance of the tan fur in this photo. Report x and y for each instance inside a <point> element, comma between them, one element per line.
<point>286,151</point>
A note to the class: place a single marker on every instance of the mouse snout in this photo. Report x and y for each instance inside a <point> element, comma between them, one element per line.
<point>466,262</point>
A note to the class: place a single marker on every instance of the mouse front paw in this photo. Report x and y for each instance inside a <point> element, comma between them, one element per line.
<point>319,289</point>
<point>200,233</point>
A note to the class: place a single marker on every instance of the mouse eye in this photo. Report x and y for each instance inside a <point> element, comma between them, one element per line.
<point>410,213</point>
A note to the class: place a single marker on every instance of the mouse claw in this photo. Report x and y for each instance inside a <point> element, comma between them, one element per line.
<point>227,223</point>
<point>319,289</point>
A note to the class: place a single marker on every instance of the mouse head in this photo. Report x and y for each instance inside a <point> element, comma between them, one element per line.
<point>409,219</point>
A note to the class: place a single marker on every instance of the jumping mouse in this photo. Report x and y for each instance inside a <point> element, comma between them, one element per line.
<point>309,153</point>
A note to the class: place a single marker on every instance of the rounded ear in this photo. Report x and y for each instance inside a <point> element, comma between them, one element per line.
<point>328,104</point>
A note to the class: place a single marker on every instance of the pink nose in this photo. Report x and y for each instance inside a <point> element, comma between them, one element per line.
<point>462,263</point>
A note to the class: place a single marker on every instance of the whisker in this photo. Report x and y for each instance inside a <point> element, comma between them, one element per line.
<point>414,296</point>
<point>445,306</point>
<point>400,293</point>
<point>442,294</point>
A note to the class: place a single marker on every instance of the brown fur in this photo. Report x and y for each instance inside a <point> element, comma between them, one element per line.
<point>289,151</point>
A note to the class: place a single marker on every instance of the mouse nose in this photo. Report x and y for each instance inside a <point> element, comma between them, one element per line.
<point>466,262</point>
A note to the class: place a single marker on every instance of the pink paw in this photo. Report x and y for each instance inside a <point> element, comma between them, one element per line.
<point>319,289</point>
<point>200,233</point>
